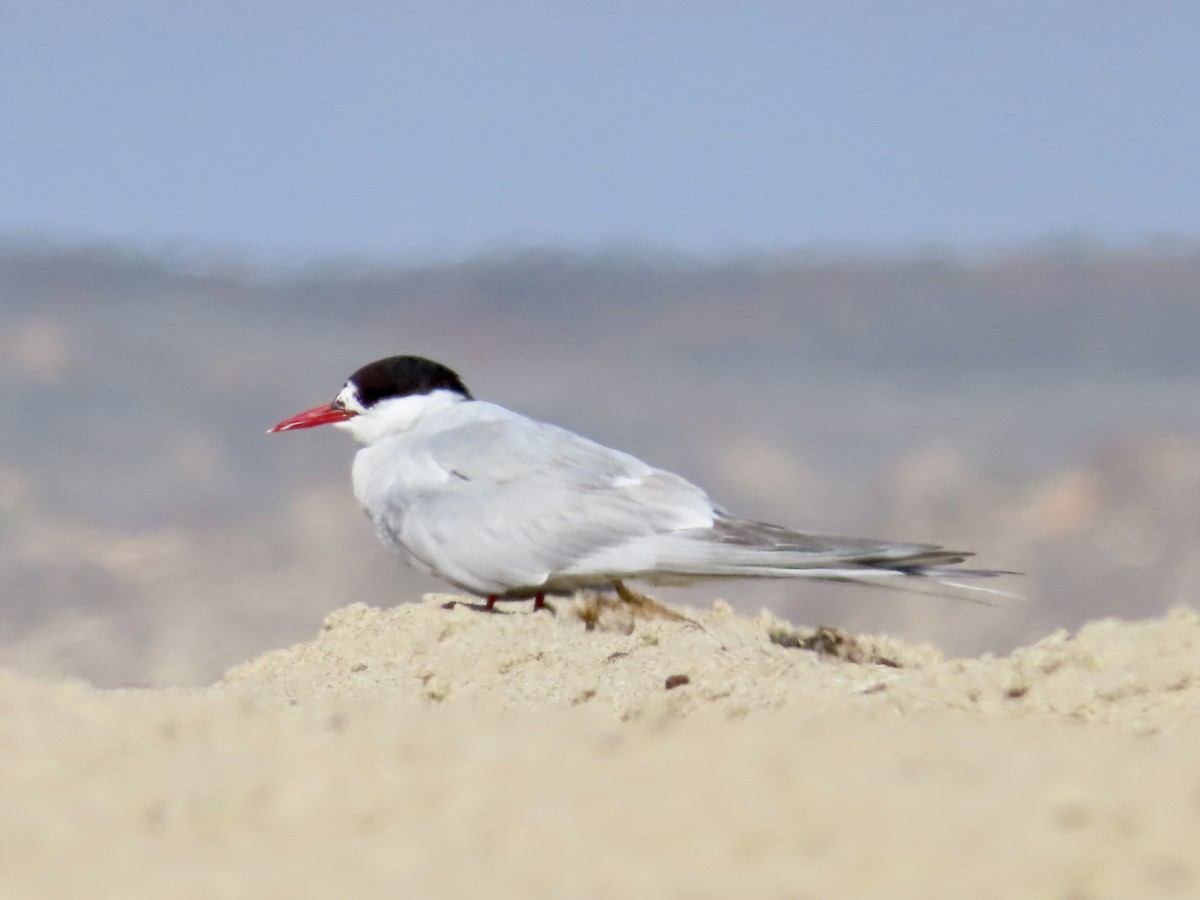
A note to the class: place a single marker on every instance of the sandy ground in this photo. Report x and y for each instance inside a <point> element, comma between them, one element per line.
<point>427,751</point>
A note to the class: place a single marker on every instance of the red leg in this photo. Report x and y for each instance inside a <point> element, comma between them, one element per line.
<point>491,602</point>
<point>539,602</point>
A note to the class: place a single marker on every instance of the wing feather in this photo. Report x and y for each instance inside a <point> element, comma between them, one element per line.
<point>526,500</point>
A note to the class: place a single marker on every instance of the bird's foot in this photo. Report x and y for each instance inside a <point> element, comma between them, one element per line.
<point>539,602</point>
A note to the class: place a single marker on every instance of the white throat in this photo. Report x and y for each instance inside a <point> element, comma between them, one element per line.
<point>393,416</point>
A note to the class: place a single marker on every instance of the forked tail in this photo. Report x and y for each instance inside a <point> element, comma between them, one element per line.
<point>742,548</point>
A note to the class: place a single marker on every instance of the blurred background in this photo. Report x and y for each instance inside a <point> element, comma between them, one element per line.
<point>923,271</point>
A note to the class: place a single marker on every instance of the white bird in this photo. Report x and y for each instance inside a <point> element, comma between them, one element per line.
<point>506,507</point>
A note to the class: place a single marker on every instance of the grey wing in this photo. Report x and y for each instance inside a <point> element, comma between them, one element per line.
<point>740,548</point>
<point>743,547</point>
<point>528,505</point>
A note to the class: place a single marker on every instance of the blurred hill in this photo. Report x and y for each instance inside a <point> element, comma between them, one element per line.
<point>1038,406</point>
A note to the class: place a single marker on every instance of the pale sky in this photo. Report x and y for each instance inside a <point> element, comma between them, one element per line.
<point>394,129</point>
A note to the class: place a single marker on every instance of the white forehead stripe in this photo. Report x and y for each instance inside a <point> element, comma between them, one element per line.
<point>348,398</point>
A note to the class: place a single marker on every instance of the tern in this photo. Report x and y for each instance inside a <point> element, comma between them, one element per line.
<point>506,507</point>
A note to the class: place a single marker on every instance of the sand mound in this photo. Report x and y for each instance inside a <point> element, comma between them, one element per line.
<point>431,751</point>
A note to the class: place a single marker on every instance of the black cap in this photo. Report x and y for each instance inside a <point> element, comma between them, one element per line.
<point>402,376</point>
